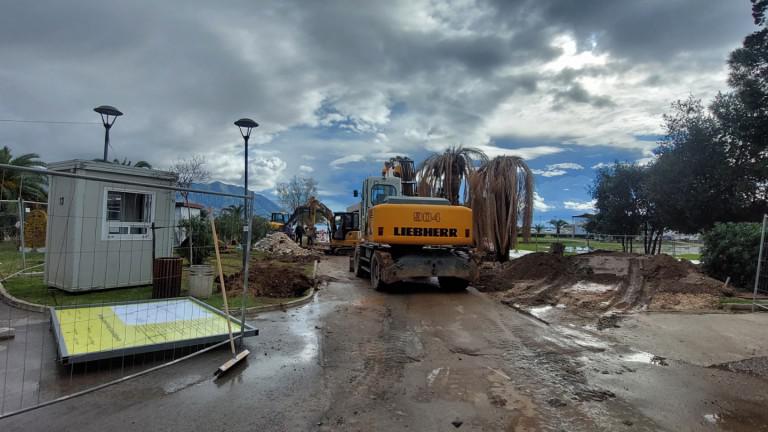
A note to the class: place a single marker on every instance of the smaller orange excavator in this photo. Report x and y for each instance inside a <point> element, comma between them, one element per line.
<point>343,227</point>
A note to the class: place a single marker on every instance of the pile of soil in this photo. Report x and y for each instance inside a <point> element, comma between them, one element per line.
<point>604,281</point>
<point>279,244</point>
<point>270,279</point>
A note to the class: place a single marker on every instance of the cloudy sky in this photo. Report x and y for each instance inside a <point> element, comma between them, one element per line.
<point>338,87</point>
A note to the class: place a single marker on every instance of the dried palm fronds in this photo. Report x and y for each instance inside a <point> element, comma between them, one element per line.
<point>442,174</point>
<point>501,193</point>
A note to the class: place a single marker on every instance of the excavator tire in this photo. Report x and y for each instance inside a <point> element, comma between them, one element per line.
<point>453,284</point>
<point>376,282</point>
<point>356,268</point>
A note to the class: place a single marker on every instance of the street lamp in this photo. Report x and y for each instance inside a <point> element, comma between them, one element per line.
<point>245,125</point>
<point>106,111</point>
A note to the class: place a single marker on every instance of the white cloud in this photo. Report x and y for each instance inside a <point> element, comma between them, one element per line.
<point>580,205</point>
<point>527,153</point>
<point>549,173</point>
<point>566,166</point>
<point>306,168</point>
<point>601,165</point>
<point>540,205</point>
<point>646,160</point>
<point>557,169</point>
<point>347,159</point>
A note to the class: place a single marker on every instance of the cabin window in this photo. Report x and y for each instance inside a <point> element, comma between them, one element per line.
<point>380,192</point>
<point>128,215</point>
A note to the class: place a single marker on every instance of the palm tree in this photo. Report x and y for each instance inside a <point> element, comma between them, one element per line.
<point>538,228</point>
<point>501,194</point>
<point>443,174</point>
<point>231,220</point>
<point>15,184</point>
<point>558,224</point>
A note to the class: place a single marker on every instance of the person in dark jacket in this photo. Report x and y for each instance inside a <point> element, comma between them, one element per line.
<point>299,233</point>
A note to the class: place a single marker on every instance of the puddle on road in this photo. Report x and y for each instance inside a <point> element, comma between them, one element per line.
<point>434,374</point>
<point>591,287</point>
<point>646,358</point>
<point>538,311</point>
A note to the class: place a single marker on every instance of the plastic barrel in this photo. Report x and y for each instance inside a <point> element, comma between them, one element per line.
<point>166,277</point>
<point>201,281</point>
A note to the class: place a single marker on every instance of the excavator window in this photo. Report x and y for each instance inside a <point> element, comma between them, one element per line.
<point>380,192</point>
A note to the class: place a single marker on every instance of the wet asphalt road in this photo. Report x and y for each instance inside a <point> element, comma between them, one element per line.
<point>417,359</point>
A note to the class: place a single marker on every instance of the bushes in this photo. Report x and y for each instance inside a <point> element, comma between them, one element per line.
<point>731,249</point>
<point>202,240</point>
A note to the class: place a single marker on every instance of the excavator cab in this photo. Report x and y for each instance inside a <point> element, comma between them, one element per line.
<point>345,223</point>
<point>277,220</point>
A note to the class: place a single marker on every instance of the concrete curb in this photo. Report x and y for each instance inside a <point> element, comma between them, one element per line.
<point>285,305</point>
<point>12,301</point>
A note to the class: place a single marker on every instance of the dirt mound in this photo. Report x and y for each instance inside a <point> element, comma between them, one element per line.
<point>279,244</point>
<point>270,279</point>
<point>602,281</point>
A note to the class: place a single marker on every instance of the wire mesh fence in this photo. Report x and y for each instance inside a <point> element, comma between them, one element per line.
<point>761,273</point>
<point>97,281</point>
<point>688,247</point>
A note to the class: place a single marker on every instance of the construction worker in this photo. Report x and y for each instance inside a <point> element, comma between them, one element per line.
<point>299,233</point>
<point>311,233</point>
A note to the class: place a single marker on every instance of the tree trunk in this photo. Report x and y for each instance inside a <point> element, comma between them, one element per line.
<point>661,238</point>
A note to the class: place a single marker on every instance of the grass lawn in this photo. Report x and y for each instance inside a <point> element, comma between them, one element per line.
<point>11,262</point>
<point>541,244</point>
<point>32,289</point>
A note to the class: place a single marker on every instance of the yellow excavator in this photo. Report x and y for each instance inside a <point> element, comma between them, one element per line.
<point>343,227</point>
<point>277,220</point>
<point>404,236</point>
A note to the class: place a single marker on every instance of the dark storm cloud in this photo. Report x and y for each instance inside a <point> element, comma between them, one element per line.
<point>578,94</point>
<point>651,30</point>
<point>182,71</point>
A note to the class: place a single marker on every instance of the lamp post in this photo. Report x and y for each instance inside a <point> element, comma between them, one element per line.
<point>245,125</point>
<point>106,111</point>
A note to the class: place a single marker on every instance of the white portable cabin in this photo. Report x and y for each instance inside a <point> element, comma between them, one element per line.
<point>99,231</point>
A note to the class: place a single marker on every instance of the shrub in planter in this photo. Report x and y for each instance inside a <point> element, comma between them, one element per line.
<point>202,240</point>
<point>731,249</point>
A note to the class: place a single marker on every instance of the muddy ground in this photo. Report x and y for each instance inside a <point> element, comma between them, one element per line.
<point>416,358</point>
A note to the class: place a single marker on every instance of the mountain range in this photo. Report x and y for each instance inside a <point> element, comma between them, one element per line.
<point>263,206</point>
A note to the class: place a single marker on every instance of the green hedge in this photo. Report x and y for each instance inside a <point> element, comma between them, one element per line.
<point>731,249</point>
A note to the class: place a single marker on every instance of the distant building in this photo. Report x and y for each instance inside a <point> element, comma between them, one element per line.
<point>578,224</point>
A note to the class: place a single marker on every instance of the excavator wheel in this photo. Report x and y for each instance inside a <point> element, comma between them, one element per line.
<point>376,282</point>
<point>359,272</point>
<point>453,284</point>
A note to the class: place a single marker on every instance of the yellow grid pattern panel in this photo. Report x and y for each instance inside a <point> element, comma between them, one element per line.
<point>91,329</point>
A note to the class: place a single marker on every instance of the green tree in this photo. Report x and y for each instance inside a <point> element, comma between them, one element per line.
<point>15,184</point>
<point>260,228</point>
<point>731,250</point>
<point>538,228</point>
<point>620,201</point>
<point>200,234</point>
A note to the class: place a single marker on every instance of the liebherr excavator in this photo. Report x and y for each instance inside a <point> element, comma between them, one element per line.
<point>403,236</point>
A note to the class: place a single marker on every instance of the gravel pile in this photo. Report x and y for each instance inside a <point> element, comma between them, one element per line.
<point>280,244</point>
